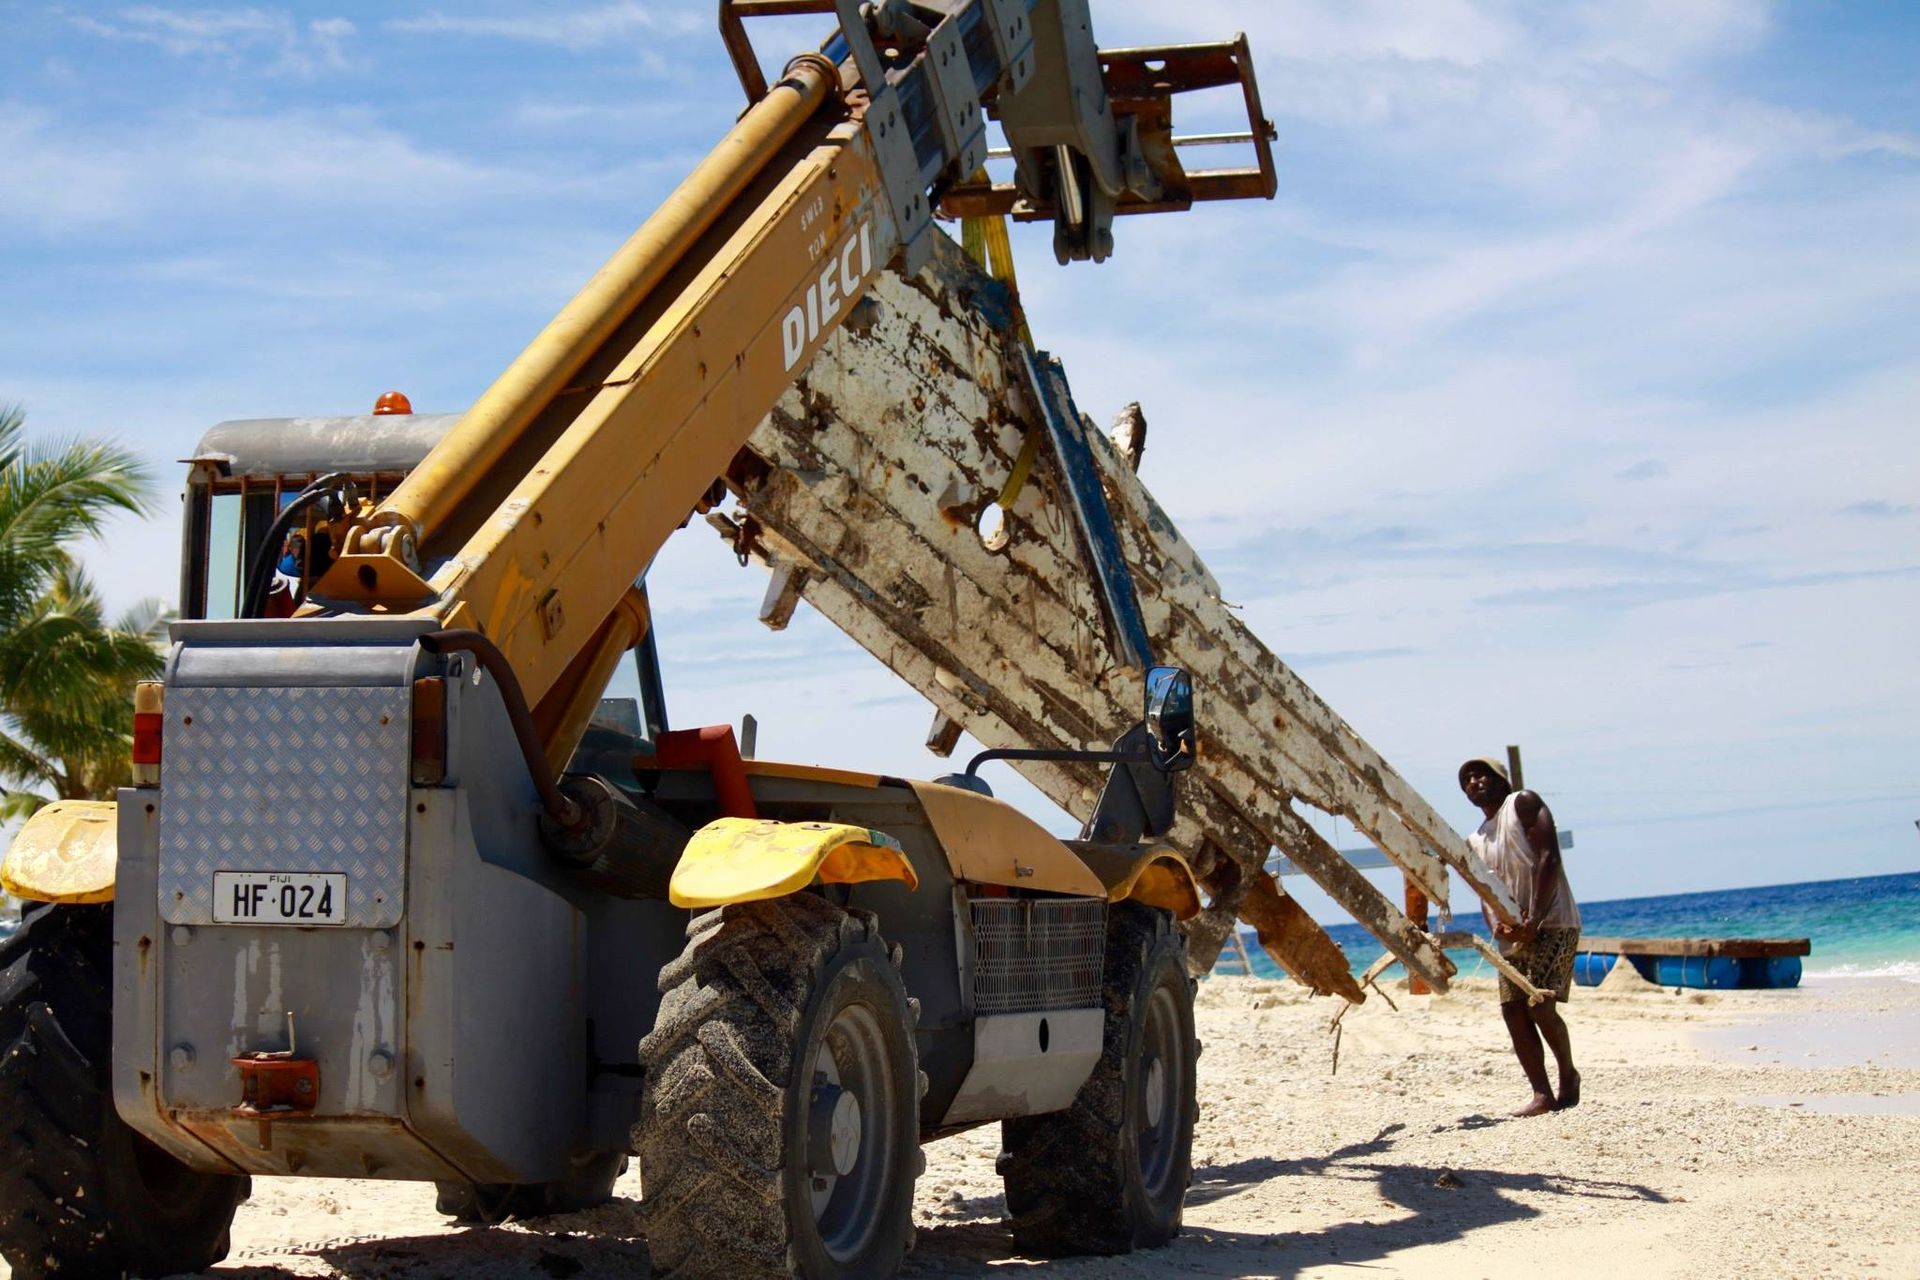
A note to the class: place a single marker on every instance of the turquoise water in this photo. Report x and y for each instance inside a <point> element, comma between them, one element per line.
<point>1864,927</point>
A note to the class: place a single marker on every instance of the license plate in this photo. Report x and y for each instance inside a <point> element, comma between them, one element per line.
<point>279,897</point>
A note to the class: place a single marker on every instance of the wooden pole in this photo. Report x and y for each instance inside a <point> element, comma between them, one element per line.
<point>1513,768</point>
<point>1462,938</point>
<point>1417,907</point>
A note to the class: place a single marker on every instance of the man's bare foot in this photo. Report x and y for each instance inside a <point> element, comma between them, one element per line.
<point>1539,1106</point>
<point>1569,1089</point>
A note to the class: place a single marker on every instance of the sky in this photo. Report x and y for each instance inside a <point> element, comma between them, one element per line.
<point>1568,394</point>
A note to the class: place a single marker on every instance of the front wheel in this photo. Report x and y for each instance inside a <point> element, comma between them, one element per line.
<point>779,1131</point>
<point>1110,1173</point>
<point>81,1193</point>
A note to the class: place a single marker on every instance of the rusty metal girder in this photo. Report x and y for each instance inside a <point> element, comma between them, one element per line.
<point>869,479</point>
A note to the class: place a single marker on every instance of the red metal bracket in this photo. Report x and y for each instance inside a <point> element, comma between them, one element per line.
<point>275,1086</point>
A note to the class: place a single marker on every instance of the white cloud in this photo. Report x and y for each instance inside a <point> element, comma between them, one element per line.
<point>231,35</point>
<point>62,175</point>
<point>1452,31</point>
<point>1664,37</point>
<point>583,29</point>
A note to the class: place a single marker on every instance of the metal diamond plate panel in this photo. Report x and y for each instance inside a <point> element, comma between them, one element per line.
<point>285,779</point>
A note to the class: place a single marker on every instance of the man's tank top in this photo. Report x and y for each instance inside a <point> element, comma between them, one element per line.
<point>1502,844</point>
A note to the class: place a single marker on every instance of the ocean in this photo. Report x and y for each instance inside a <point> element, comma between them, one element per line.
<point>1864,927</point>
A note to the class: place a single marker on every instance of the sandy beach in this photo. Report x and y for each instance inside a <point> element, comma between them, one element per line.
<point>1735,1133</point>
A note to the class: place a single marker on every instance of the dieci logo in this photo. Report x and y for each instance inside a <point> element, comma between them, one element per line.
<point>827,295</point>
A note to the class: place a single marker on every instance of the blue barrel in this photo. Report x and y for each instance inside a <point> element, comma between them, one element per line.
<point>1770,971</point>
<point>1715,973</point>
<point>1590,968</point>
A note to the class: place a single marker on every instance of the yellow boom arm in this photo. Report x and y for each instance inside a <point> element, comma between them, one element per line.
<point>592,447</point>
<point>530,521</point>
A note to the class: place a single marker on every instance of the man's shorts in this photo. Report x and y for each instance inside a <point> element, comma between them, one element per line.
<point>1547,964</point>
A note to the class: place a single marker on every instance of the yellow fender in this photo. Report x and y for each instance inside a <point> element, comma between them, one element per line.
<point>66,852</point>
<point>749,860</point>
<point>1145,873</point>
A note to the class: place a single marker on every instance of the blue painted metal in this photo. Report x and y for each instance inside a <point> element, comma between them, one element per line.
<point>1099,538</point>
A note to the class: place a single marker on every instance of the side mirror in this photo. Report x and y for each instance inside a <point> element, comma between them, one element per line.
<point>1170,736</point>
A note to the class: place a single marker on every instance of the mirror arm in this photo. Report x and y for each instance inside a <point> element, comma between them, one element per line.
<point>1062,756</point>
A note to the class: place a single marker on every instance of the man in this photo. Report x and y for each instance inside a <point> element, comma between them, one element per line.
<point>1521,848</point>
<point>296,571</point>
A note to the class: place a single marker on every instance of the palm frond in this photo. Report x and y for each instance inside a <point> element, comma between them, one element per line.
<point>66,672</point>
<point>17,806</point>
<point>52,493</point>
<point>147,618</point>
<point>21,763</point>
<point>58,659</point>
<point>13,426</point>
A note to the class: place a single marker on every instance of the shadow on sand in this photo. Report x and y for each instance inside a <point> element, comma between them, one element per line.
<point>1442,1203</point>
<point>597,1245</point>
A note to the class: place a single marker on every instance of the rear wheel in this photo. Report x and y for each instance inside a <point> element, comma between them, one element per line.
<point>588,1182</point>
<point>81,1193</point>
<point>1110,1173</point>
<point>779,1131</point>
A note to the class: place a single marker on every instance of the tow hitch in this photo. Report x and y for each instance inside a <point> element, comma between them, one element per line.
<point>276,1085</point>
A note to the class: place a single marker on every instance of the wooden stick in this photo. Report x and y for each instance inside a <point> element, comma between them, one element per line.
<point>1373,971</point>
<point>1461,938</point>
<point>1445,942</point>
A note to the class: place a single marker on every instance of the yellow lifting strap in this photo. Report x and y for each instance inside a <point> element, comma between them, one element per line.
<point>987,243</point>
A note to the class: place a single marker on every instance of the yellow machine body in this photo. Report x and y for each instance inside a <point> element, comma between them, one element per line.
<point>749,860</point>
<point>1148,873</point>
<point>990,842</point>
<point>66,852</point>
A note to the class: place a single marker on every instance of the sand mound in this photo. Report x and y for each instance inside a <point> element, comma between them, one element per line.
<point>1623,977</point>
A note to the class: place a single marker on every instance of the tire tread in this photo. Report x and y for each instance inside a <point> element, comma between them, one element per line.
<point>717,1060</point>
<point>1066,1173</point>
<point>70,1203</point>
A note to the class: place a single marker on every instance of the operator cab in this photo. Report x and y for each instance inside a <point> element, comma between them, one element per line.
<point>243,474</point>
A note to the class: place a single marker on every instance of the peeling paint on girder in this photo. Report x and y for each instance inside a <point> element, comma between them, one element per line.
<point>1011,643</point>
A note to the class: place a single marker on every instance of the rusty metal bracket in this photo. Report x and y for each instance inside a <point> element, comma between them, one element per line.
<point>275,1085</point>
<point>1141,84</point>
<point>733,34</point>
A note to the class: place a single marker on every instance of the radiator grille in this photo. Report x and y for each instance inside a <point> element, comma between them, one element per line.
<point>1037,954</point>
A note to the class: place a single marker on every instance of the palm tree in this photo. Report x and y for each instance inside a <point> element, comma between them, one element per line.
<point>66,672</point>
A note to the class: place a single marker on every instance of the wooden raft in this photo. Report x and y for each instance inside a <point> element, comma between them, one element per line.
<point>1731,948</point>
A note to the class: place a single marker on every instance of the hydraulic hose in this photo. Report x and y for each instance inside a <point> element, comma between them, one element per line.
<point>260,572</point>
<point>558,806</point>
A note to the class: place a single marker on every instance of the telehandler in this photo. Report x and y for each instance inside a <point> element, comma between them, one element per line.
<point>396,894</point>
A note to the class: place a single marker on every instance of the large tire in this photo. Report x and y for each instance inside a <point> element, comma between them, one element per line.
<point>1110,1173</point>
<point>587,1183</point>
<point>752,1162</point>
<point>82,1194</point>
